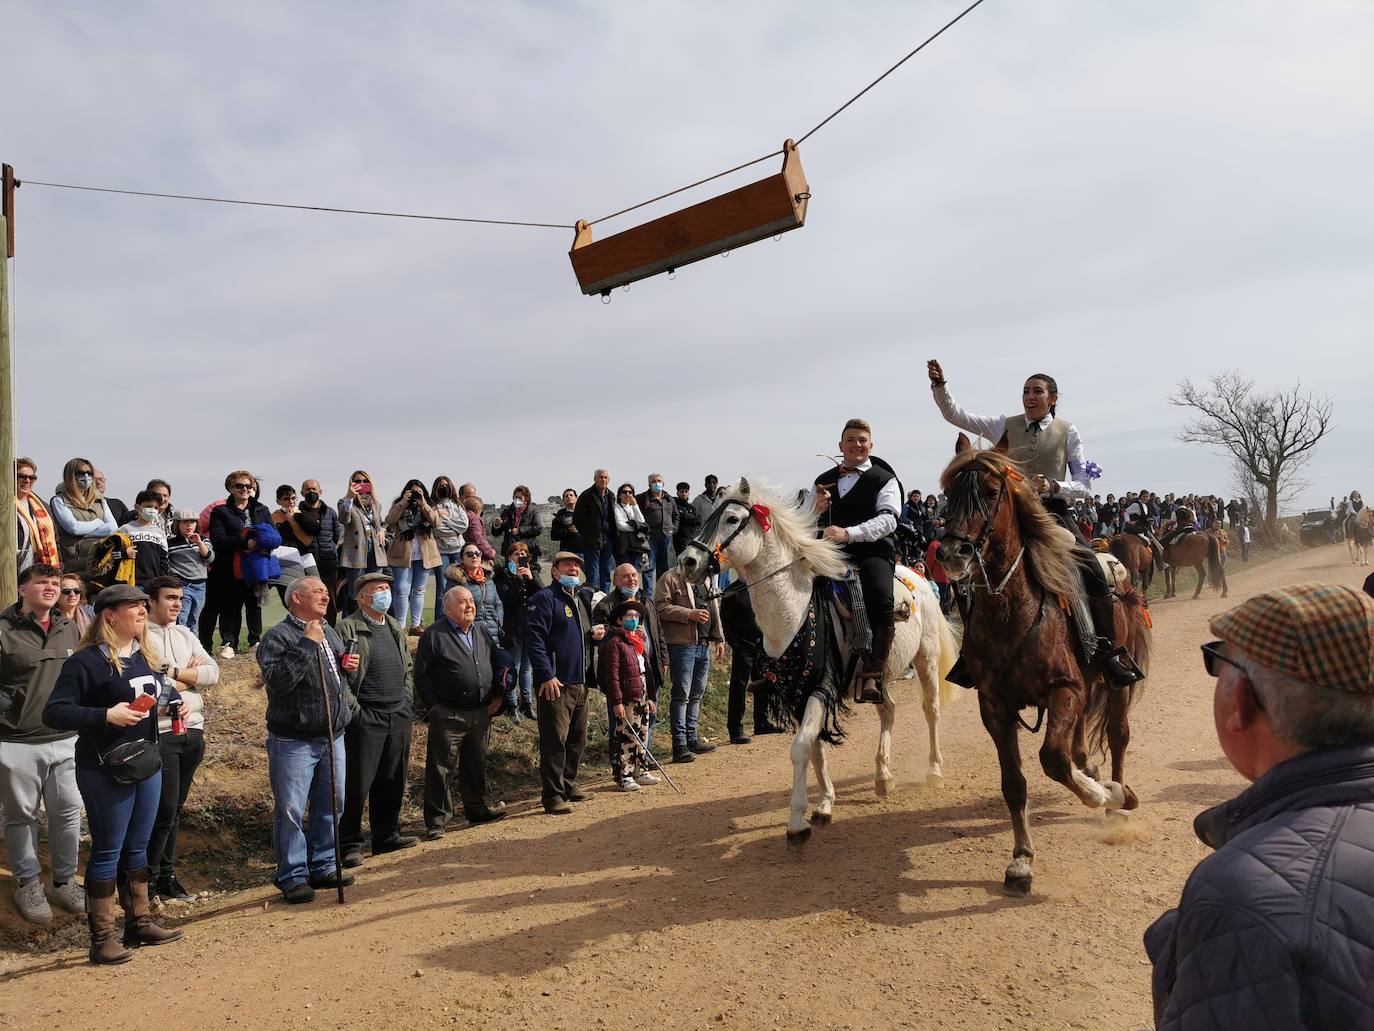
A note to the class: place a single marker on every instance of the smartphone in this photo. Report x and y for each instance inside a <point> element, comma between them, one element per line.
<point>143,703</point>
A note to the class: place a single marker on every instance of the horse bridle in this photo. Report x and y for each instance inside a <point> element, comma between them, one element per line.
<point>714,554</point>
<point>977,542</point>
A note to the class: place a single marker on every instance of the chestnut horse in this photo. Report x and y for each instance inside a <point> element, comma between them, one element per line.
<point>1017,568</point>
<point>1137,556</point>
<point>1195,550</point>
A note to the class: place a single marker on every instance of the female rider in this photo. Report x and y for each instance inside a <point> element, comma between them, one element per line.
<point>1052,450</point>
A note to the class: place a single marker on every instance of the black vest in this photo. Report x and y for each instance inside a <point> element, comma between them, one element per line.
<point>859,505</point>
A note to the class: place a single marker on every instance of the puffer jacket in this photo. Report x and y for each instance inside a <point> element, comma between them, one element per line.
<point>1276,929</point>
<point>491,613</point>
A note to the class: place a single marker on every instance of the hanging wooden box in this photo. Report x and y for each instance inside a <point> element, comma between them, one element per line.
<point>761,209</point>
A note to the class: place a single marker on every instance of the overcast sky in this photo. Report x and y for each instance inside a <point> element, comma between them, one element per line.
<point>1118,194</point>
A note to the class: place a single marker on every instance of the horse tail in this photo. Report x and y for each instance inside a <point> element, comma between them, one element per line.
<point>1139,642</point>
<point>1214,573</point>
<point>949,654</point>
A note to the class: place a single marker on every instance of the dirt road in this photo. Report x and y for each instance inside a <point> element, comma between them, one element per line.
<point>654,910</point>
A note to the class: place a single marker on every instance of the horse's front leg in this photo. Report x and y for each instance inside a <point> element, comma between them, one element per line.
<point>1118,738</point>
<point>798,830</point>
<point>1001,727</point>
<point>825,805</point>
<point>1065,713</point>
<point>930,704</point>
<point>1201,579</point>
<point>882,777</point>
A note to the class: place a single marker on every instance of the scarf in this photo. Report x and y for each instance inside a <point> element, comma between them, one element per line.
<point>42,536</point>
<point>636,639</point>
<point>477,576</point>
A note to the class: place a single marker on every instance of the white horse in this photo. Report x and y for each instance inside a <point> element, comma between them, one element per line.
<point>773,545</point>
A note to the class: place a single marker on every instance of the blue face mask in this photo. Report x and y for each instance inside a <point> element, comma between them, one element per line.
<point>631,624</point>
<point>84,480</point>
<point>629,591</point>
<point>656,487</point>
<point>510,566</point>
<point>381,601</point>
<point>568,581</point>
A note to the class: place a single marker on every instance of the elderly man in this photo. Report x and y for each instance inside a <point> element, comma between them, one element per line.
<point>655,651</point>
<point>459,674</point>
<point>594,520</point>
<point>303,666</point>
<point>1274,928</point>
<point>661,515</point>
<point>559,631</point>
<point>377,741</point>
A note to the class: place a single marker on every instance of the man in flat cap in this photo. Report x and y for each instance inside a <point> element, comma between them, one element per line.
<point>381,690</point>
<point>1276,928</point>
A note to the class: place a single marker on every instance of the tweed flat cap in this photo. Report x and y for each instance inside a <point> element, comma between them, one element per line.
<point>1322,634</point>
<point>374,577</point>
<point>567,556</point>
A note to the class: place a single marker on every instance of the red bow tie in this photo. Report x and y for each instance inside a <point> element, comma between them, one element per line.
<point>846,470</point>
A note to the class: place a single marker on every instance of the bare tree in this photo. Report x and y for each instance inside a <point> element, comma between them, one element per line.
<point>1270,435</point>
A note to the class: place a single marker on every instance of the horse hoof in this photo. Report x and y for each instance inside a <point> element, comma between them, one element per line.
<point>935,780</point>
<point>820,819</point>
<point>1131,802</point>
<point>882,786</point>
<point>796,839</point>
<point>1091,771</point>
<point>1017,887</point>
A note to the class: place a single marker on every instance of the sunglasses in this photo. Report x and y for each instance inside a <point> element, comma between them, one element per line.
<point>71,592</point>
<point>358,481</point>
<point>472,554</point>
<point>1211,655</point>
<point>25,477</point>
<point>241,486</point>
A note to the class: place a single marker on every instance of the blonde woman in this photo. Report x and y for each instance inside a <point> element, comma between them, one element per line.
<point>105,693</point>
<point>81,514</point>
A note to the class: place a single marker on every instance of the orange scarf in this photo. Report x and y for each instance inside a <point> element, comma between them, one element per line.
<point>42,536</point>
<point>477,576</point>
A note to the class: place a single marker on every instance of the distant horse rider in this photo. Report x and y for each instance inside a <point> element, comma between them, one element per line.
<point>1136,520</point>
<point>1053,451</point>
<point>858,503</point>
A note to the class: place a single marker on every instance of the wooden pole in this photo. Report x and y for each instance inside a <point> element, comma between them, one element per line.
<point>9,531</point>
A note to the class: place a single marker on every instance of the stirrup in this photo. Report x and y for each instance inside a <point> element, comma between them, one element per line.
<point>869,689</point>
<point>958,674</point>
<point>1119,667</point>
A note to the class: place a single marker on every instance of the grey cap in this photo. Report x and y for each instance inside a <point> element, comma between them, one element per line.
<point>118,594</point>
<point>374,577</point>
<point>180,515</point>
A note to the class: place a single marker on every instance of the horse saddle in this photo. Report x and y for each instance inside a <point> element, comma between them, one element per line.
<point>1174,536</point>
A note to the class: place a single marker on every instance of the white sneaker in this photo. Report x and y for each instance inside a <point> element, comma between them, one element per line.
<point>646,778</point>
<point>628,784</point>
<point>70,896</point>
<point>227,652</point>
<point>33,904</point>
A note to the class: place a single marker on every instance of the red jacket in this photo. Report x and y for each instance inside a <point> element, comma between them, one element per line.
<point>933,567</point>
<point>617,672</point>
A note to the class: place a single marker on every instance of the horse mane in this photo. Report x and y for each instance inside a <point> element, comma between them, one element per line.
<point>796,529</point>
<point>1049,547</point>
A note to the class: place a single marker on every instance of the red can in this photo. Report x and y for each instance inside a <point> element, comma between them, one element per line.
<point>178,720</point>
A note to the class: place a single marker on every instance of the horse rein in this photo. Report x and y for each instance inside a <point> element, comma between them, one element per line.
<point>977,543</point>
<point>715,553</point>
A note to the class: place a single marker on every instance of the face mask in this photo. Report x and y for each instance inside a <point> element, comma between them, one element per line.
<point>381,601</point>
<point>628,590</point>
<point>631,623</point>
<point>311,497</point>
<point>568,581</point>
<point>517,501</point>
<point>510,566</point>
<point>657,488</point>
<point>84,480</point>
<point>147,514</point>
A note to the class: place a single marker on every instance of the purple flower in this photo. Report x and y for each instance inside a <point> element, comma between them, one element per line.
<point>1093,470</point>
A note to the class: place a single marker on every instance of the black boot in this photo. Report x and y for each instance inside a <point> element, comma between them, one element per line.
<point>871,679</point>
<point>959,674</point>
<point>1116,662</point>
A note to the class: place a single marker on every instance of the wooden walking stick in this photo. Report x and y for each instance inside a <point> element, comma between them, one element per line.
<point>333,780</point>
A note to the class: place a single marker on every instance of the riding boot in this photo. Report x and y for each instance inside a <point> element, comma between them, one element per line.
<point>100,918</point>
<point>139,927</point>
<point>871,679</point>
<point>1115,662</point>
<point>959,674</point>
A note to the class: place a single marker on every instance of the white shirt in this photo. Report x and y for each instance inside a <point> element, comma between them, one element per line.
<point>889,504</point>
<point>1078,486</point>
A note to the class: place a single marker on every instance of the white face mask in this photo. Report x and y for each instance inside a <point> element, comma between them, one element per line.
<point>147,514</point>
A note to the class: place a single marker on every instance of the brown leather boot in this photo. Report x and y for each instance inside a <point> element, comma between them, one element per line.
<point>100,918</point>
<point>139,927</point>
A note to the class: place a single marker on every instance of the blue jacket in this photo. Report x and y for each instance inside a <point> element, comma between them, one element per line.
<point>260,565</point>
<point>558,635</point>
<point>1276,928</point>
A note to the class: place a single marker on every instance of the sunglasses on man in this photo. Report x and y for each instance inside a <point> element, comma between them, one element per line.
<point>1211,655</point>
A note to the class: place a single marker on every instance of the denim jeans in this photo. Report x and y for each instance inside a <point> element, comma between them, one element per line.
<point>298,771</point>
<point>34,774</point>
<point>121,819</point>
<point>441,584</point>
<point>689,664</point>
<point>658,562</point>
<point>599,566</point>
<point>409,581</point>
<point>192,601</point>
<point>523,688</point>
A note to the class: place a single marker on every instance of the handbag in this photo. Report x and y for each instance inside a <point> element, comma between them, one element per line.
<point>132,761</point>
